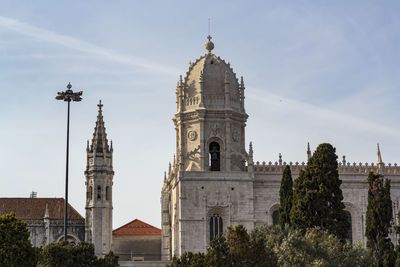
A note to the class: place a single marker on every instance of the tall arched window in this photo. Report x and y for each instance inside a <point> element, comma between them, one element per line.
<point>350,230</point>
<point>90,193</point>
<point>216,226</point>
<point>99,192</point>
<point>215,162</point>
<point>107,193</point>
<point>275,217</point>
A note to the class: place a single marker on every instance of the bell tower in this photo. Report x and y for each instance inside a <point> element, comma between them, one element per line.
<point>210,119</point>
<point>198,199</point>
<point>99,181</point>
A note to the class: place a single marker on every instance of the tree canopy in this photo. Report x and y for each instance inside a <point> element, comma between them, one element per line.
<point>286,197</point>
<point>379,220</point>
<point>268,246</point>
<point>317,197</point>
<point>15,247</point>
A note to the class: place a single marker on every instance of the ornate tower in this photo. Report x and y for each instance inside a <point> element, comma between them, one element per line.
<point>210,119</point>
<point>99,181</point>
<point>198,192</point>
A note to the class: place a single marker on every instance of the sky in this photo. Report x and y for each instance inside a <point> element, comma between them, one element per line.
<point>315,71</point>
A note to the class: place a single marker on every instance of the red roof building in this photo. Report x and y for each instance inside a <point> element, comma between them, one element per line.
<point>45,219</point>
<point>137,241</point>
<point>137,227</point>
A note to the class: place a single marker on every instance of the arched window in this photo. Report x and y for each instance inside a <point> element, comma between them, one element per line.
<point>99,192</point>
<point>216,226</point>
<point>90,193</point>
<point>275,217</point>
<point>107,193</point>
<point>215,162</point>
<point>350,230</point>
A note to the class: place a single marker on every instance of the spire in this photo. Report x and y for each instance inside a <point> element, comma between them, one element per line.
<point>308,151</point>
<point>379,155</point>
<point>280,159</point>
<point>381,165</point>
<point>99,141</point>
<point>251,161</point>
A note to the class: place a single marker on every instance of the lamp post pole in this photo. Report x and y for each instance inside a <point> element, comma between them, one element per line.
<point>67,96</point>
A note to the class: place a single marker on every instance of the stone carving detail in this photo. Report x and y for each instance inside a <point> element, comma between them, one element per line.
<point>193,160</point>
<point>235,134</point>
<point>192,135</point>
<point>215,130</point>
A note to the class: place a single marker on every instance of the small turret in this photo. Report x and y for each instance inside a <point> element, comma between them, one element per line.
<point>381,165</point>
<point>308,151</point>
<point>241,88</point>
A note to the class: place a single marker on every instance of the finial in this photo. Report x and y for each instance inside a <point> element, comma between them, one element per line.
<point>251,162</point>
<point>209,45</point>
<point>69,86</point>
<point>379,155</point>
<point>280,159</point>
<point>241,82</point>
<point>344,160</point>
<point>169,168</point>
<point>165,176</point>
<point>174,161</point>
<point>100,105</point>
<point>308,151</point>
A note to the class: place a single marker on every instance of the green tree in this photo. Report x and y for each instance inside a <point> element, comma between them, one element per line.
<point>379,220</point>
<point>270,246</point>
<point>286,197</point>
<point>317,197</point>
<point>63,254</point>
<point>239,245</point>
<point>218,253</point>
<point>15,247</point>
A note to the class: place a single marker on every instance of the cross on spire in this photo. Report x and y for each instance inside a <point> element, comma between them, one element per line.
<point>100,105</point>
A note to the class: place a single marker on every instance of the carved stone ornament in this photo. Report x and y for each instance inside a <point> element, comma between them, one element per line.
<point>235,134</point>
<point>192,135</point>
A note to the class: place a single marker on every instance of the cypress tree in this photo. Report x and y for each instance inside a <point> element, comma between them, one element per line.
<point>317,197</point>
<point>379,220</point>
<point>286,197</point>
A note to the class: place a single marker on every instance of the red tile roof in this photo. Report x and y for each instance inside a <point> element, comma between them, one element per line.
<point>137,227</point>
<point>35,208</point>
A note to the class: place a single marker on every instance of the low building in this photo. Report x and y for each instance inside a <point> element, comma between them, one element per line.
<point>137,241</point>
<point>45,219</point>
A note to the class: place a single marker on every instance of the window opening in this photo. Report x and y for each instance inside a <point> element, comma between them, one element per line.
<point>275,217</point>
<point>99,192</point>
<point>216,226</point>
<point>215,157</point>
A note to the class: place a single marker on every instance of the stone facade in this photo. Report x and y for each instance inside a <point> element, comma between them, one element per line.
<point>45,219</point>
<point>213,181</point>
<point>99,181</point>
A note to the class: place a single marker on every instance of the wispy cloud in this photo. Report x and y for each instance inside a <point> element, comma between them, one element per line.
<point>320,113</point>
<point>83,46</point>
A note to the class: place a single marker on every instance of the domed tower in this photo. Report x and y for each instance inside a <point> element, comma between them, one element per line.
<point>200,196</point>
<point>210,119</point>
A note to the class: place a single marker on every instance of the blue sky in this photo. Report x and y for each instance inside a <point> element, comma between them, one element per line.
<point>315,71</point>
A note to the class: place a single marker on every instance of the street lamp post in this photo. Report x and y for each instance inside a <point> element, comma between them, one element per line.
<point>67,96</point>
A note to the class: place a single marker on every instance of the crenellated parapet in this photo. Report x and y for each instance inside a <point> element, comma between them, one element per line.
<point>347,168</point>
